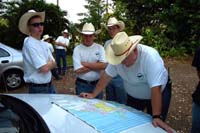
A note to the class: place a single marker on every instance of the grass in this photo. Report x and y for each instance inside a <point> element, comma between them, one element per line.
<point>69,61</point>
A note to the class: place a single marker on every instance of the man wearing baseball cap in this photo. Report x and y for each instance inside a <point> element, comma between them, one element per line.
<point>144,75</point>
<point>38,60</point>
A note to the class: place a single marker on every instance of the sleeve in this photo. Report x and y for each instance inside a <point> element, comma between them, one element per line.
<point>58,39</point>
<point>51,48</point>
<point>107,43</point>
<point>155,71</point>
<point>111,70</point>
<point>102,57</point>
<point>76,59</point>
<point>196,59</point>
<point>51,55</point>
<point>37,60</point>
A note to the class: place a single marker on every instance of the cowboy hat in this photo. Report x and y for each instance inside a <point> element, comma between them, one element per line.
<point>88,29</point>
<point>120,47</point>
<point>23,22</point>
<point>113,21</point>
<point>65,31</point>
<point>45,37</point>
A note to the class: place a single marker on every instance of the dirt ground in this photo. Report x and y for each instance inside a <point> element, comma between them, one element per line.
<point>184,80</point>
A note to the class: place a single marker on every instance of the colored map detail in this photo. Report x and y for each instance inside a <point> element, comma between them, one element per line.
<point>104,116</point>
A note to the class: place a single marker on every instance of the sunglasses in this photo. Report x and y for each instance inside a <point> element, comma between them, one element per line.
<point>37,24</point>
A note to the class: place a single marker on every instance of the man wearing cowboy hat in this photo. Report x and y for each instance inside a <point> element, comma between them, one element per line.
<point>61,43</point>
<point>49,39</point>
<point>115,89</point>
<point>88,60</point>
<point>38,60</point>
<point>145,77</point>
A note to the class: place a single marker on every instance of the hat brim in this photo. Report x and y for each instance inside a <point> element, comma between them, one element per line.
<point>89,32</point>
<point>119,23</point>
<point>115,60</point>
<point>65,32</point>
<point>44,39</point>
<point>23,22</point>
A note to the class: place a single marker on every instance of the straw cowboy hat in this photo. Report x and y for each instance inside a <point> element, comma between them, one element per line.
<point>88,29</point>
<point>65,31</point>
<point>45,37</point>
<point>120,47</point>
<point>23,22</point>
<point>113,21</point>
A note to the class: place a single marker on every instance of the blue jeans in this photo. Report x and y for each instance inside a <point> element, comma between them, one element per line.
<point>54,73</point>
<point>195,118</point>
<point>61,54</point>
<point>115,90</point>
<point>141,104</point>
<point>47,89</point>
<point>84,87</point>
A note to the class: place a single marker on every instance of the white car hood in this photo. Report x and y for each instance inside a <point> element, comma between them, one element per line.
<point>61,121</point>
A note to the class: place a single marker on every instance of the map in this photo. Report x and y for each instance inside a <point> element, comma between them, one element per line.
<point>104,116</point>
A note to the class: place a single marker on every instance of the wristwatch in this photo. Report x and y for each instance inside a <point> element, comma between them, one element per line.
<point>157,116</point>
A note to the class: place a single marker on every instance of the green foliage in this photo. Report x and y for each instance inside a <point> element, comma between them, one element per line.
<point>69,61</point>
<point>172,27</point>
<point>96,11</point>
<point>54,21</point>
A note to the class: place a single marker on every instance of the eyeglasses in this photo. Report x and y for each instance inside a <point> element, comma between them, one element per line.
<point>37,24</point>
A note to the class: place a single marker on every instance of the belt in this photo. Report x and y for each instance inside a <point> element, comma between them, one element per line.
<point>40,85</point>
<point>87,82</point>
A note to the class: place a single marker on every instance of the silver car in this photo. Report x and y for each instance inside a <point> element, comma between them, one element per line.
<point>62,113</point>
<point>11,67</point>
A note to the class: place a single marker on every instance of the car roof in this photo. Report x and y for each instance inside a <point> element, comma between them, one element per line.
<point>10,49</point>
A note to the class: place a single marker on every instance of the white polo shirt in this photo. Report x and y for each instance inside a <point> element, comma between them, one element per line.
<point>93,53</point>
<point>107,43</point>
<point>35,54</point>
<point>62,40</point>
<point>148,71</point>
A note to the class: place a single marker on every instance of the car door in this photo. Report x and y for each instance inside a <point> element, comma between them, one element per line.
<point>5,59</point>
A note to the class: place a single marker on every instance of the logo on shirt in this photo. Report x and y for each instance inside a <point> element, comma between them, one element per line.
<point>140,76</point>
<point>97,54</point>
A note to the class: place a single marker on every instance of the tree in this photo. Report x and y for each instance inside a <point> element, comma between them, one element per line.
<point>96,11</point>
<point>165,24</point>
<point>54,21</point>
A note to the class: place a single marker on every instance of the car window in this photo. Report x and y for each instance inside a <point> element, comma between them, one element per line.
<point>9,120</point>
<point>16,116</point>
<point>4,53</point>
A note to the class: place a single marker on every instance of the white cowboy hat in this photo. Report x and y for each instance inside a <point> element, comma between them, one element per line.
<point>88,29</point>
<point>23,21</point>
<point>120,47</point>
<point>113,21</point>
<point>65,31</point>
<point>45,37</point>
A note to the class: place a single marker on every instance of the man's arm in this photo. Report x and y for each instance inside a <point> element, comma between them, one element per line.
<point>90,67</point>
<point>94,65</point>
<point>156,102</point>
<point>60,44</point>
<point>82,70</point>
<point>47,67</point>
<point>103,82</point>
